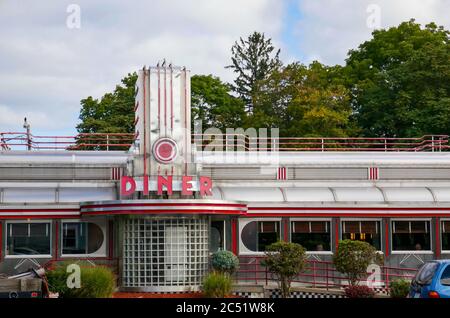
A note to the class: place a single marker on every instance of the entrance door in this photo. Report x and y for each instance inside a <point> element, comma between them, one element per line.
<point>175,258</point>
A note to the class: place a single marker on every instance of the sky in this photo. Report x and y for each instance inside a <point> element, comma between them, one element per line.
<point>53,53</point>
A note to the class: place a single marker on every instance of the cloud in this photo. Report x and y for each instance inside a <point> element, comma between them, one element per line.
<point>328,29</point>
<point>47,68</point>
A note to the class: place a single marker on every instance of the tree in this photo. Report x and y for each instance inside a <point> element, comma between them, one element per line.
<point>285,260</point>
<point>353,257</point>
<point>253,60</point>
<point>113,113</point>
<point>306,101</point>
<point>400,81</point>
<point>213,104</point>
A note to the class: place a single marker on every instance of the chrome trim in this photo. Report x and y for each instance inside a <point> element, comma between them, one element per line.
<point>156,201</point>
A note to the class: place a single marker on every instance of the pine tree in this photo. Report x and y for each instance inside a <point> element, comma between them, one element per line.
<point>253,60</point>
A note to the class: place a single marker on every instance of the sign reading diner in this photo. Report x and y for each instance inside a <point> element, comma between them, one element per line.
<point>187,185</point>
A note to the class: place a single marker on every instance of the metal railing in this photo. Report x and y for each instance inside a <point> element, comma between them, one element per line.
<point>226,142</point>
<point>240,142</point>
<point>83,141</point>
<point>317,274</point>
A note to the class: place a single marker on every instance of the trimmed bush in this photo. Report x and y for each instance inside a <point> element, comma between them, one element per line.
<point>217,285</point>
<point>359,292</point>
<point>399,288</point>
<point>285,260</point>
<point>225,262</point>
<point>353,258</point>
<point>95,281</point>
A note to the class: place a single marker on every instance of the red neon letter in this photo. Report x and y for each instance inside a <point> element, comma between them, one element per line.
<point>186,185</point>
<point>205,186</point>
<point>166,183</point>
<point>124,181</point>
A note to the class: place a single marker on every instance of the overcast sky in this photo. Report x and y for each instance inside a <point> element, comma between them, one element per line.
<point>47,63</point>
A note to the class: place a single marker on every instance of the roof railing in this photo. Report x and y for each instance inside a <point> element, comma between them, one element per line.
<point>227,142</point>
<point>240,142</point>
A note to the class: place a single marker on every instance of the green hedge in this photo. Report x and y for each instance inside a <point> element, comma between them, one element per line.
<point>399,288</point>
<point>96,282</point>
<point>217,285</point>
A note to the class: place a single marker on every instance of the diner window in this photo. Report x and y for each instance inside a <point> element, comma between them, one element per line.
<point>411,236</point>
<point>312,235</point>
<point>81,238</point>
<point>28,239</point>
<point>257,235</point>
<point>217,236</point>
<point>445,235</point>
<point>365,231</point>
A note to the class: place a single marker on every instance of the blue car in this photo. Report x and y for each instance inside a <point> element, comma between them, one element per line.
<point>432,280</point>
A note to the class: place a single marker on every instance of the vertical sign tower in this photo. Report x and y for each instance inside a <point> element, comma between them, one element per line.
<point>163,122</point>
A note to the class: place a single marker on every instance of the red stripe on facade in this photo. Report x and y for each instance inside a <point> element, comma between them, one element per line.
<point>234,248</point>
<point>118,205</point>
<point>171,100</point>
<point>438,239</point>
<point>21,217</point>
<point>1,240</point>
<point>284,208</point>
<point>351,215</point>
<point>145,119</point>
<point>282,173</point>
<point>185,122</point>
<point>165,100</point>
<point>38,210</point>
<point>159,100</point>
<point>386,237</point>
<point>206,211</point>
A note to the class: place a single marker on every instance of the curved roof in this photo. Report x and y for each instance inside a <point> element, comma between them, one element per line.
<point>334,194</point>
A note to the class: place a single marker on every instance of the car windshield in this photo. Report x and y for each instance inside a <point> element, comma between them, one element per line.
<point>426,273</point>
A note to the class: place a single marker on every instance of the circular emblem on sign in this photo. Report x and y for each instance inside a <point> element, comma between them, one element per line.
<point>165,150</point>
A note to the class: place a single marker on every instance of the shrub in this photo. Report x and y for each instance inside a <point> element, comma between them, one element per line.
<point>359,292</point>
<point>225,262</point>
<point>285,260</point>
<point>353,257</point>
<point>399,288</point>
<point>95,281</point>
<point>217,285</point>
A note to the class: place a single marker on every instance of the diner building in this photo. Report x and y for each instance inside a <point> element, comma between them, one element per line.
<point>156,203</point>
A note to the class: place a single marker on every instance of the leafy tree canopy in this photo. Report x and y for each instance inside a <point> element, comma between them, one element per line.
<point>212,103</point>
<point>305,101</point>
<point>113,113</point>
<point>400,81</point>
